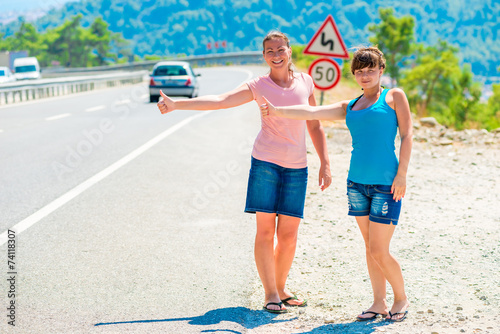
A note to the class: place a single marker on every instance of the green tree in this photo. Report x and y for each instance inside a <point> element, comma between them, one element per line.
<point>27,38</point>
<point>429,77</point>
<point>491,117</point>
<point>465,104</point>
<point>4,43</point>
<point>100,39</point>
<point>394,37</point>
<point>70,43</point>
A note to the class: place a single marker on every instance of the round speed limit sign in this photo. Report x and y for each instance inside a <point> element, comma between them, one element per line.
<point>325,73</point>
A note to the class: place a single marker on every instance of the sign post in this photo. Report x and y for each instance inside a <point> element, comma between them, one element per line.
<point>326,42</point>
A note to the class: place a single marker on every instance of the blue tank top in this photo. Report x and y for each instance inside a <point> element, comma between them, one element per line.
<point>373,131</point>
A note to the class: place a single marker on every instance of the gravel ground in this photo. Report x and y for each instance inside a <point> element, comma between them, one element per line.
<point>447,241</point>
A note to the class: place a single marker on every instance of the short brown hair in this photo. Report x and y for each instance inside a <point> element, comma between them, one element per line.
<point>367,57</point>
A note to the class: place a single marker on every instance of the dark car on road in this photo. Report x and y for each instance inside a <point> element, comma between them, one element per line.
<point>175,78</point>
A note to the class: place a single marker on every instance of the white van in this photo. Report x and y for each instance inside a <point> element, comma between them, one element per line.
<point>26,68</point>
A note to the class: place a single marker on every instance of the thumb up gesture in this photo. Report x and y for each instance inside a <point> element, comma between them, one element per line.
<point>267,109</point>
<point>166,105</point>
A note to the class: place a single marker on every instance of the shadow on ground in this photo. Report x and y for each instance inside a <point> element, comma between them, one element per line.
<point>357,327</point>
<point>247,318</point>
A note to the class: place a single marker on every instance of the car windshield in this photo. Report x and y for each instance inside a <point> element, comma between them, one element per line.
<point>170,71</point>
<point>26,68</point>
<point>2,73</point>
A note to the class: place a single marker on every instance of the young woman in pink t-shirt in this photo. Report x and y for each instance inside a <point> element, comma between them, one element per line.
<point>278,174</point>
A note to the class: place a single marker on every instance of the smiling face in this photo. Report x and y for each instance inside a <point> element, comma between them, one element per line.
<point>368,77</point>
<point>277,53</point>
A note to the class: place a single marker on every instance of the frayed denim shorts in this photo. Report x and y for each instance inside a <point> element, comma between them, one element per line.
<point>276,189</point>
<point>375,201</point>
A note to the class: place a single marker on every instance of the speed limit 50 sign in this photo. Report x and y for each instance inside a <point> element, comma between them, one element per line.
<point>325,73</point>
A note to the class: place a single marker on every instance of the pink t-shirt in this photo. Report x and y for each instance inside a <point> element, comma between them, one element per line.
<point>282,141</point>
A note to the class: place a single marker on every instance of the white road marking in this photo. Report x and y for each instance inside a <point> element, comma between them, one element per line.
<point>122,102</point>
<point>53,118</point>
<point>102,106</point>
<point>56,204</point>
<point>59,202</point>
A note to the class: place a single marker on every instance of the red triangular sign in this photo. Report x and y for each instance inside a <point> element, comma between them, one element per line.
<point>327,41</point>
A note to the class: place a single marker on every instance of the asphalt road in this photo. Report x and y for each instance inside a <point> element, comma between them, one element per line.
<point>126,220</point>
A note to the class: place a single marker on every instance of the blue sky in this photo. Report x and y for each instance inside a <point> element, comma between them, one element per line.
<point>22,5</point>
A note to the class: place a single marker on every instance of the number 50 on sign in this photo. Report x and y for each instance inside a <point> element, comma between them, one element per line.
<point>325,73</point>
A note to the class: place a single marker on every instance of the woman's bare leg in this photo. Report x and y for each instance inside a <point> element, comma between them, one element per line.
<point>380,238</point>
<point>264,256</point>
<point>284,253</point>
<point>377,276</point>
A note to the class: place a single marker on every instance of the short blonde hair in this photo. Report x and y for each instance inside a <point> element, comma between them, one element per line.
<point>367,57</point>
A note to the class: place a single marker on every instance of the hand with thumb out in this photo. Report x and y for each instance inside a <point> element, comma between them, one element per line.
<point>166,105</point>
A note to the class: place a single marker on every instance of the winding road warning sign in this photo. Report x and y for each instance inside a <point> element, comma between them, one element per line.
<point>327,41</point>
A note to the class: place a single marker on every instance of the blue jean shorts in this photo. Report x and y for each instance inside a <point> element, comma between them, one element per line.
<point>375,201</point>
<point>276,189</point>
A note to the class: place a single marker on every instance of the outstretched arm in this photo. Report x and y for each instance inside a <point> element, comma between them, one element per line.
<point>318,138</point>
<point>333,112</point>
<point>236,97</point>
<point>406,133</point>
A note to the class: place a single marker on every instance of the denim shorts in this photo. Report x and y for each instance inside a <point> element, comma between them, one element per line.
<point>276,189</point>
<point>373,200</point>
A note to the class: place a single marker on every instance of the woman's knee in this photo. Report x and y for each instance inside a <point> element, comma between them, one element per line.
<point>379,254</point>
<point>265,234</point>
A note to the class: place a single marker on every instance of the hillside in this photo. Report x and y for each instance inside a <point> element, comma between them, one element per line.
<point>180,26</point>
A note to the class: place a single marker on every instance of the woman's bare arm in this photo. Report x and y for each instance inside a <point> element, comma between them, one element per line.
<point>336,111</point>
<point>236,97</point>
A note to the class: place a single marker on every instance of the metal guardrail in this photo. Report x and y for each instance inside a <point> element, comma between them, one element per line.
<point>26,91</point>
<point>234,58</point>
<point>65,82</point>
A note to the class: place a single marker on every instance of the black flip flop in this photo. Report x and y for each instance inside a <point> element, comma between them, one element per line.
<point>374,316</point>
<point>286,301</point>
<point>397,320</point>
<point>280,304</point>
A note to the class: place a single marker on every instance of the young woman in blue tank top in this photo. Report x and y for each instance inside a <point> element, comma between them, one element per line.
<point>376,181</point>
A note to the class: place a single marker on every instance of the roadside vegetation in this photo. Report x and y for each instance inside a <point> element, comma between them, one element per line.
<point>69,45</point>
<point>436,83</point>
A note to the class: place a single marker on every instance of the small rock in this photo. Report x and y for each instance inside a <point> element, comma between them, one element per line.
<point>331,321</point>
<point>459,308</point>
<point>429,122</point>
<point>430,311</point>
<point>434,333</point>
<point>461,319</point>
<point>444,142</point>
<point>497,130</point>
<point>462,330</point>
